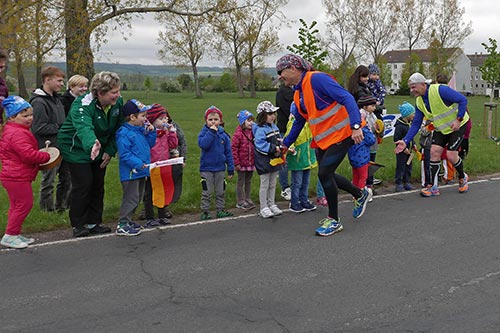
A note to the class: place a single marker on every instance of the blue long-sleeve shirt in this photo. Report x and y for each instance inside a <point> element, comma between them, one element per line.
<point>326,91</point>
<point>449,96</point>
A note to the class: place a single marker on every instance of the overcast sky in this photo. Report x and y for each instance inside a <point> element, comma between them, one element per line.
<point>141,48</point>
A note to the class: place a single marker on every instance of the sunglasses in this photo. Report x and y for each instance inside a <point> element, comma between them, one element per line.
<point>281,71</point>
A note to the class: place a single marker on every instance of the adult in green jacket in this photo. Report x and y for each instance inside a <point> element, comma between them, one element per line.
<point>87,143</point>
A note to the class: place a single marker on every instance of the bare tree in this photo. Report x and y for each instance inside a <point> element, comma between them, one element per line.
<point>413,22</point>
<point>261,38</point>
<point>379,28</point>
<point>344,33</point>
<point>231,40</point>
<point>87,18</point>
<point>185,40</point>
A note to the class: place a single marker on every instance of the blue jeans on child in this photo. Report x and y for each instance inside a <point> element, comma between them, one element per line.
<point>300,187</point>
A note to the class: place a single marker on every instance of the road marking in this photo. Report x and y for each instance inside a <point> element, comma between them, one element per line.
<point>473,282</point>
<point>189,224</point>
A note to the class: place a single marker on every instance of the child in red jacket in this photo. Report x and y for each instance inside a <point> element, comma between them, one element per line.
<point>20,162</point>
<point>243,156</point>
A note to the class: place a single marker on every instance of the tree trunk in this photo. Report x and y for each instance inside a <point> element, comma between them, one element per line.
<point>23,92</point>
<point>79,56</point>
<point>196,81</point>
<point>252,78</point>
<point>239,80</point>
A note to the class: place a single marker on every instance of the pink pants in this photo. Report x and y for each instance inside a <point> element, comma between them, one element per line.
<point>359,176</point>
<point>21,201</point>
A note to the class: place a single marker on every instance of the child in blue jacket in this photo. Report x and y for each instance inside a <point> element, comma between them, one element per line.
<point>216,156</point>
<point>134,140</point>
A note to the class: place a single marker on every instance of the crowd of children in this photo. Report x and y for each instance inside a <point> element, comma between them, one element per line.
<point>148,135</point>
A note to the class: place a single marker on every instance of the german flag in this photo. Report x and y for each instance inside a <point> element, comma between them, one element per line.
<point>166,181</point>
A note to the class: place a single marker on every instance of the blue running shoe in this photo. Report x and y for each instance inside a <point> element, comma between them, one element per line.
<point>360,204</point>
<point>328,227</point>
<point>127,229</point>
<point>296,208</point>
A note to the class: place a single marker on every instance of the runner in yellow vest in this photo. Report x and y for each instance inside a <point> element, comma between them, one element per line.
<point>446,108</point>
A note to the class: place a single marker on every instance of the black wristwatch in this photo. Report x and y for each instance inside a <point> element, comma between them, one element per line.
<point>356,126</point>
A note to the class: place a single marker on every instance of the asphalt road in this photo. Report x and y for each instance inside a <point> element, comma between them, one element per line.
<point>410,264</point>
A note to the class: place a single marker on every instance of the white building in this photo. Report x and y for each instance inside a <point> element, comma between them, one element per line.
<point>397,61</point>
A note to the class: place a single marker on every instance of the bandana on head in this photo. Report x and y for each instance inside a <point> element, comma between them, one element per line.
<point>289,60</point>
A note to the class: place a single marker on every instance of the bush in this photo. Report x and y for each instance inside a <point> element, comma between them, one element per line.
<point>172,86</point>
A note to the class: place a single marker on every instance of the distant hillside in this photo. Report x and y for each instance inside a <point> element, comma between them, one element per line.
<point>155,70</point>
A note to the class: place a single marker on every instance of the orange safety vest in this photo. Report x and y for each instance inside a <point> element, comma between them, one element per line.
<point>328,126</point>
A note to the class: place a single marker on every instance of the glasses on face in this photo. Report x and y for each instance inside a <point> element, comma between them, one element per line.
<point>281,71</point>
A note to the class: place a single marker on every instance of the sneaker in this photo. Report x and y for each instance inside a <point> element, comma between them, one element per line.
<point>296,208</point>
<point>266,213</point>
<point>205,216</point>
<point>321,201</point>
<point>250,204</point>
<point>27,240</point>
<point>243,205</point>
<point>463,184</point>
<point>399,188</point>
<point>81,231</point>
<point>135,225</point>
<point>13,241</point>
<point>370,194</point>
<point>287,193</point>
<point>275,210</point>
<point>164,221</point>
<point>360,204</point>
<point>377,181</point>
<point>99,229</point>
<point>153,223</point>
<point>127,229</point>
<point>223,213</point>
<point>308,206</point>
<point>408,187</point>
<point>142,215</point>
<point>328,227</point>
<point>429,191</point>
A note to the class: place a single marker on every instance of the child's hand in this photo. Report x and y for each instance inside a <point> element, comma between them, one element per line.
<point>230,176</point>
<point>237,168</point>
<point>149,127</point>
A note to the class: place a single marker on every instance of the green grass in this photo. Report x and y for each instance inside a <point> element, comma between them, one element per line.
<point>188,112</point>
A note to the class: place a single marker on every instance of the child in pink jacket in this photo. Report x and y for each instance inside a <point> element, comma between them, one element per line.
<point>166,142</point>
<point>243,156</point>
<point>20,163</point>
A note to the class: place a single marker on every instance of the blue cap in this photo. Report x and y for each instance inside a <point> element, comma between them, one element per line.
<point>14,104</point>
<point>134,106</point>
<point>244,115</point>
<point>406,109</point>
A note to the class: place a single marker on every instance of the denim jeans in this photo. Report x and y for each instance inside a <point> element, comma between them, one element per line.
<point>320,193</point>
<point>300,187</point>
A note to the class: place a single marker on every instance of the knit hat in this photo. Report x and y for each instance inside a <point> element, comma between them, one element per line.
<point>14,104</point>
<point>244,115</point>
<point>418,78</point>
<point>266,107</point>
<point>155,112</point>
<point>134,106</point>
<point>213,109</point>
<point>406,109</point>
<point>373,69</point>
<point>365,100</point>
<point>289,60</point>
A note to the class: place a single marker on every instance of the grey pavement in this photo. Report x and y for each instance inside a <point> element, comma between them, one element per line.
<point>410,264</point>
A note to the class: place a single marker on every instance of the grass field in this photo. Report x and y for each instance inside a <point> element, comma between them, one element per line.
<point>188,112</point>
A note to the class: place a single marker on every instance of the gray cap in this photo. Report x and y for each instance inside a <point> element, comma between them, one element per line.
<point>418,78</point>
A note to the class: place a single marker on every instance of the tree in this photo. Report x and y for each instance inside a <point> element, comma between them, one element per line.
<point>490,70</point>
<point>449,32</point>
<point>231,40</point>
<point>260,41</point>
<point>379,30</point>
<point>342,17</point>
<point>310,45</point>
<point>185,81</point>
<point>87,18</point>
<point>148,84</point>
<point>413,22</point>
<point>185,41</point>
<point>407,71</point>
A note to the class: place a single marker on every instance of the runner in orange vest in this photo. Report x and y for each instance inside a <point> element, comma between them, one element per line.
<point>335,123</point>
